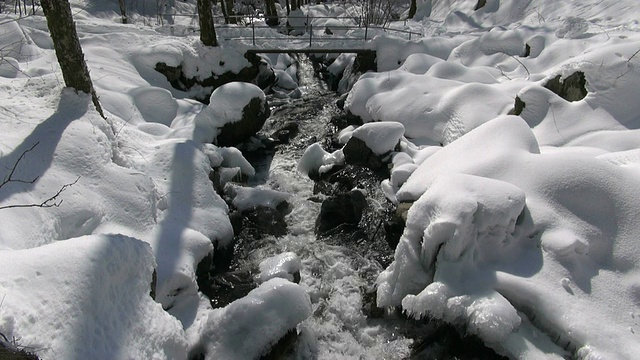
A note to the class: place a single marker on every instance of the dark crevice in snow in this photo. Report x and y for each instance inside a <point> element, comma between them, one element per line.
<point>480,5</point>
<point>518,107</point>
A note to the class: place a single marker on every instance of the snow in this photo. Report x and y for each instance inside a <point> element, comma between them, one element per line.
<point>522,230</point>
<point>380,137</point>
<point>283,265</point>
<point>316,159</point>
<point>248,326</point>
<point>98,307</point>
<point>245,197</point>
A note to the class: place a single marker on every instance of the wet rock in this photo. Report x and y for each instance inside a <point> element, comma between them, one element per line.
<point>344,178</point>
<point>394,226</point>
<point>154,284</point>
<point>343,120</point>
<point>266,76</point>
<point>230,286</point>
<point>356,152</point>
<point>442,341</point>
<point>286,132</point>
<point>343,209</point>
<point>284,348</point>
<point>370,307</point>
<point>365,61</point>
<point>573,88</point>
<point>341,100</point>
<point>264,220</point>
<point>10,352</point>
<point>253,118</point>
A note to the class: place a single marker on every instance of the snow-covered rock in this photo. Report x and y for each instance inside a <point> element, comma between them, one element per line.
<point>248,327</point>
<point>286,265</point>
<point>236,111</point>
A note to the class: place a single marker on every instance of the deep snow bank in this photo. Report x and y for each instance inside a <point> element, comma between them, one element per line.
<point>573,244</point>
<point>87,298</point>
<point>522,227</point>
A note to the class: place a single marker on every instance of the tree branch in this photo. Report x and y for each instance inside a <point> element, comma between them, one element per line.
<point>49,202</point>
<point>52,201</point>
<point>10,178</point>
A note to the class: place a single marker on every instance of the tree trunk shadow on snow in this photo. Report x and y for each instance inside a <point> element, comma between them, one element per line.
<point>176,218</point>
<point>46,135</point>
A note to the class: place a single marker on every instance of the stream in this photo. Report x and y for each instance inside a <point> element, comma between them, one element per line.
<point>338,271</point>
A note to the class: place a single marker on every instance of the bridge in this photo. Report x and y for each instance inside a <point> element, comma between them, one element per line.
<point>344,35</point>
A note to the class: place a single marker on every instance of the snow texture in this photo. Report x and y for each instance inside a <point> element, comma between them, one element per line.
<point>99,308</point>
<point>248,327</point>
<point>523,228</point>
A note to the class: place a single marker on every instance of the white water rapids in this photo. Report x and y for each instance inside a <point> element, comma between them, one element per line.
<point>335,277</point>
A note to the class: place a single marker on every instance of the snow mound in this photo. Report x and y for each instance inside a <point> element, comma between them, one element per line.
<point>226,105</point>
<point>87,297</point>
<point>380,137</point>
<point>428,106</point>
<point>316,159</point>
<point>15,43</point>
<point>155,104</point>
<point>248,327</point>
<point>552,259</point>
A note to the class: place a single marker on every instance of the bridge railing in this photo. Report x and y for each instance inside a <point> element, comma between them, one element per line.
<point>257,23</point>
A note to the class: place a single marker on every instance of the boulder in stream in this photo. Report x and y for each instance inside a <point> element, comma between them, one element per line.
<point>236,111</point>
<point>342,209</point>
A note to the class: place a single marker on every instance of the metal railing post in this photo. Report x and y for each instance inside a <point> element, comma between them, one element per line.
<point>310,34</point>
<point>366,30</point>
<point>253,30</point>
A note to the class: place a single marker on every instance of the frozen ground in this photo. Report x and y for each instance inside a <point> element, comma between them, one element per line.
<point>523,230</point>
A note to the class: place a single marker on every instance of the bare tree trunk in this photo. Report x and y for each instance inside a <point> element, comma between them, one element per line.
<point>271,13</point>
<point>123,11</point>
<point>67,47</point>
<point>412,9</point>
<point>223,7</point>
<point>230,12</point>
<point>207,30</point>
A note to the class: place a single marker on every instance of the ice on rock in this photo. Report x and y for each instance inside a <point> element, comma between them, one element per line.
<point>248,327</point>
<point>284,265</point>
<point>246,197</point>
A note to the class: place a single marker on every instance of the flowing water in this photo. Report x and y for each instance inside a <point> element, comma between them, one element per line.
<point>336,277</point>
<point>337,272</point>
